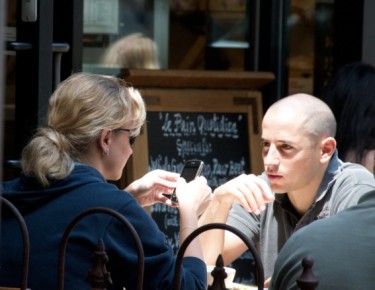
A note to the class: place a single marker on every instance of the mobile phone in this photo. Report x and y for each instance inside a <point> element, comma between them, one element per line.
<point>192,169</point>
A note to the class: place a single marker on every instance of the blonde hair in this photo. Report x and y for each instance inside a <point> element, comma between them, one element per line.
<point>80,108</point>
<point>134,51</point>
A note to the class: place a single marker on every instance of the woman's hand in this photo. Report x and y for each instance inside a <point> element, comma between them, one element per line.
<point>150,188</point>
<point>194,195</point>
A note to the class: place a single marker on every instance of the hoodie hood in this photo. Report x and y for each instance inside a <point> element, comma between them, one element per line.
<point>26,193</point>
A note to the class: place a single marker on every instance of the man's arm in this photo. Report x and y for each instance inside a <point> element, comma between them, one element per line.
<point>252,193</point>
<point>212,241</point>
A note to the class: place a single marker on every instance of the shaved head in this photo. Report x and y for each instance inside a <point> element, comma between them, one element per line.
<point>314,116</point>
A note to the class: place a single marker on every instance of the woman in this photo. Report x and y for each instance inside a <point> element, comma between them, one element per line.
<point>92,122</point>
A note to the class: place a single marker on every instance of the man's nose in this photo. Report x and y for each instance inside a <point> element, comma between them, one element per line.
<point>271,157</point>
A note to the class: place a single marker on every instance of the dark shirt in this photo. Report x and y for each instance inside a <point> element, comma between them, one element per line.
<point>48,211</point>
<point>341,246</point>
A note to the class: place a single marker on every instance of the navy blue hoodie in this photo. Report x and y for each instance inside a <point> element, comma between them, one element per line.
<point>48,211</point>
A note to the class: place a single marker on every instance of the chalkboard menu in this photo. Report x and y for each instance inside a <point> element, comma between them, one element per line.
<point>219,139</point>
<point>220,127</point>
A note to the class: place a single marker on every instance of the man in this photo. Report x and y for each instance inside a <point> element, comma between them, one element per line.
<point>303,181</point>
<point>341,247</point>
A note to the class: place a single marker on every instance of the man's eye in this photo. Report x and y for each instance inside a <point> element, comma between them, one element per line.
<point>286,147</point>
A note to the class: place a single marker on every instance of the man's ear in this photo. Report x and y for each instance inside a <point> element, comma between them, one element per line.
<point>328,148</point>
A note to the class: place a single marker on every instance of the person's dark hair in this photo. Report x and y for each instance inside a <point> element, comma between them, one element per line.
<point>351,96</point>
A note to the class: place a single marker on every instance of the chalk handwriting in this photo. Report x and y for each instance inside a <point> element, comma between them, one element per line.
<point>214,125</point>
<point>219,139</point>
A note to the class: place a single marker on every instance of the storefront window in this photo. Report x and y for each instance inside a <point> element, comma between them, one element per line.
<point>106,21</point>
<point>192,34</point>
<point>310,45</point>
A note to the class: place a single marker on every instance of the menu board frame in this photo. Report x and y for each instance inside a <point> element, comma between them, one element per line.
<point>247,102</point>
<point>198,100</point>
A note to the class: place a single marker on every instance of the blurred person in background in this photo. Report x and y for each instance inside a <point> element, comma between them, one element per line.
<point>134,51</point>
<point>351,96</point>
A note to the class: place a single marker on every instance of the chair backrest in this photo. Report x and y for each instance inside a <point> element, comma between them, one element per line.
<point>98,276</point>
<point>307,280</point>
<point>26,244</point>
<point>245,239</point>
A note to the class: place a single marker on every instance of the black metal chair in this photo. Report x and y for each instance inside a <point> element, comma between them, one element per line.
<point>245,239</point>
<point>307,280</point>
<point>25,241</point>
<point>98,277</point>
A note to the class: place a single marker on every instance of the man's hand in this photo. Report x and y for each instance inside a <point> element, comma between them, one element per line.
<point>251,191</point>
